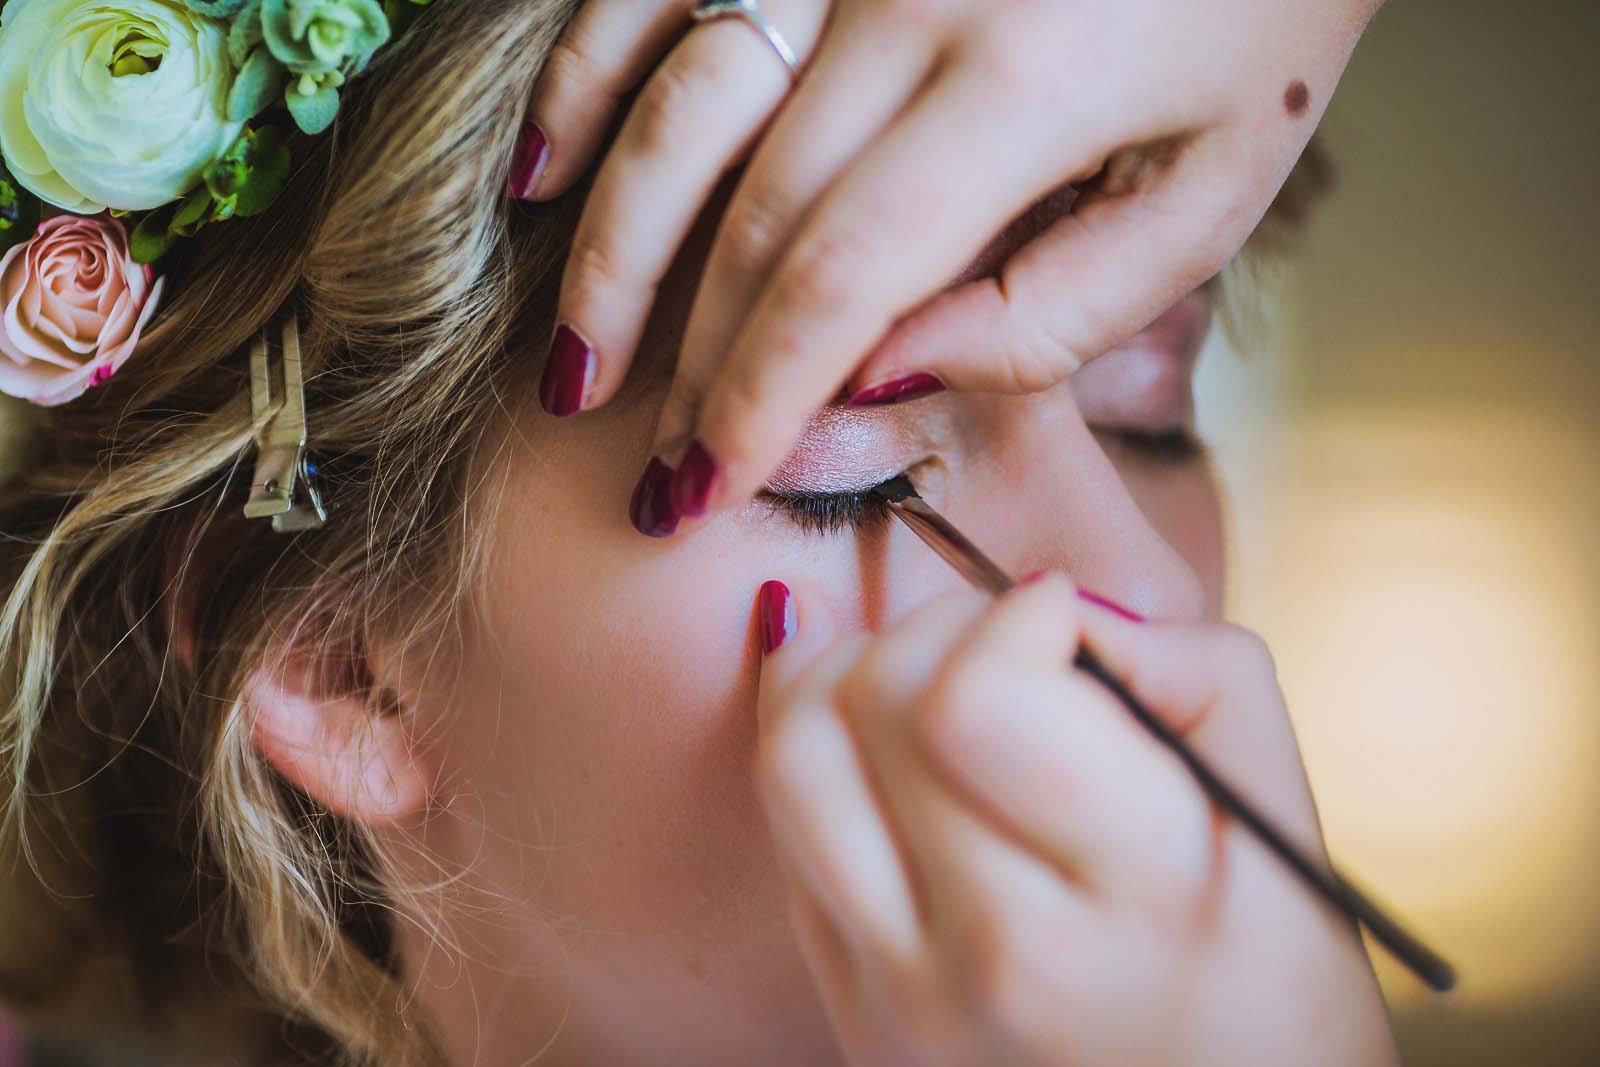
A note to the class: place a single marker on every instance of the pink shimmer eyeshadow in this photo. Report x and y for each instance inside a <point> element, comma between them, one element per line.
<point>842,450</point>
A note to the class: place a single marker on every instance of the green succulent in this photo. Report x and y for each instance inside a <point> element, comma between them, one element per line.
<point>243,181</point>
<point>319,36</point>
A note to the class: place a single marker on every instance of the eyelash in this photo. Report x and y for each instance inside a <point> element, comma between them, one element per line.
<point>831,512</point>
<point>1174,447</point>
<point>826,513</point>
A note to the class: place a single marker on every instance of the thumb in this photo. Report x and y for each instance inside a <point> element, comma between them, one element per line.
<point>1087,283</point>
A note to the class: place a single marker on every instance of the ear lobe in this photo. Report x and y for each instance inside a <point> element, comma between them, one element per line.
<point>348,752</point>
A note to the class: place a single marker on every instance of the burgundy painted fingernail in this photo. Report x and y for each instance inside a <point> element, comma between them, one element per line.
<point>898,391</point>
<point>527,161</point>
<point>568,370</point>
<point>1111,606</point>
<point>778,621</point>
<point>651,507</point>
<point>696,477</point>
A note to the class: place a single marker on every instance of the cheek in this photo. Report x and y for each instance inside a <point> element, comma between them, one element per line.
<point>605,731</point>
<point>1184,507</point>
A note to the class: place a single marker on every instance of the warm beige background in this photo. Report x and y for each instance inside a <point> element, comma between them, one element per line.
<point>1411,449</point>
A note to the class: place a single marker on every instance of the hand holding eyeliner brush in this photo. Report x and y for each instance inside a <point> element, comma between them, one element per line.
<point>1323,880</point>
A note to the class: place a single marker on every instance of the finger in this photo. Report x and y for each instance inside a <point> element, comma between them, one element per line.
<point>823,947</point>
<point>860,76</point>
<point>1090,281</point>
<point>824,816</point>
<point>695,116</point>
<point>848,272</point>
<point>604,52</point>
<point>988,898</point>
<point>1046,753</point>
<point>1217,685</point>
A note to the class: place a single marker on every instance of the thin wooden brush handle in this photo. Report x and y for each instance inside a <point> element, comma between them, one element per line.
<point>1325,881</point>
<point>967,558</point>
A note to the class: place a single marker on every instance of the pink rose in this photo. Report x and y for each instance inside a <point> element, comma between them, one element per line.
<point>73,304</point>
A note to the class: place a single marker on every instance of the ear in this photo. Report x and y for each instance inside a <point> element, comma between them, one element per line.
<point>345,743</point>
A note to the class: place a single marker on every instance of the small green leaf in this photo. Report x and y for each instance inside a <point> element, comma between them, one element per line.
<point>19,213</point>
<point>269,170</point>
<point>151,238</point>
<point>191,213</point>
<point>258,82</point>
<point>244,33</point>
<point>312,112</point>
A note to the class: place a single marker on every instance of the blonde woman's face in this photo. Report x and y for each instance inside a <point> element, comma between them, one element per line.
<point>595,762</point>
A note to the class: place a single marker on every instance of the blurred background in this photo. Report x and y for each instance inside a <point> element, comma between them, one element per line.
<point>1409,441</point>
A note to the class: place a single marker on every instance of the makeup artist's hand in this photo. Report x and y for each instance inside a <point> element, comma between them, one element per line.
<point>918,129</point>
<point>989,861</point>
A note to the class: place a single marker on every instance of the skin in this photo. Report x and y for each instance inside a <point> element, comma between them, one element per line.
<point>585,804</point>
<point>1179,122</point>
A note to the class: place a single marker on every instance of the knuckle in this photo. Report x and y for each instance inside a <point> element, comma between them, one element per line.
<point>753,228</point>
<point>999,973</point>
<point>1035,362</point>
<point>566,70</point>
<point>685,398</point>
<point>951,718</point>
<point>668,110</point>
<point>869,684</point>
<point>591,266</point>
<point>1049,337</point>
<point>823,272</point>
<point>1246,651</point>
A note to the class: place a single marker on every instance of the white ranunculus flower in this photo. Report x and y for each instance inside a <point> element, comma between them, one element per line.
<point>112,103</point>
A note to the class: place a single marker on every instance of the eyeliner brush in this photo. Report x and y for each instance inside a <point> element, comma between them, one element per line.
<point>954,547</point>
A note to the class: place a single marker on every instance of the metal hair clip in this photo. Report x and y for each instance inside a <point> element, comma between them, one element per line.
<point>281,464</point>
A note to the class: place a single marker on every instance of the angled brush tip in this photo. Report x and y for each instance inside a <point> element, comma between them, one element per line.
<point>896,489</point>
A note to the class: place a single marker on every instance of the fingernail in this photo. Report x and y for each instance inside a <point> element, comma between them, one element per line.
<point>692,484</point>
<point>527,161</point>
<point>651,508</point>
<point>898,391</point>
<point>778,621</point>
<point>1111,606</point>
<point>568,370</point>
<point>1029,579</point>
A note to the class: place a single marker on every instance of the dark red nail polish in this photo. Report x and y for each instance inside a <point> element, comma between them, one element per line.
<point>696,477</point>
<point>1111,606</point>
<point>568,370</point>
<point>527,161</point>
<point>651,508</point>
<point>778,621</point>
<point>898,391</point>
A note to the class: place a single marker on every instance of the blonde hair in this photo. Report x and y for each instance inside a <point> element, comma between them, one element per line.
<point>155,854</point>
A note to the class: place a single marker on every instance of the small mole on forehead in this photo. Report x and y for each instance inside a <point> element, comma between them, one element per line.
<point>1296,98</point>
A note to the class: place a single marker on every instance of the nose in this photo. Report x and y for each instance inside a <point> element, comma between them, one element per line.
<point>1050,499</point>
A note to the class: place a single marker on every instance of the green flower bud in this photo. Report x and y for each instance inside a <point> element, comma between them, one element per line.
<point>320,36</point>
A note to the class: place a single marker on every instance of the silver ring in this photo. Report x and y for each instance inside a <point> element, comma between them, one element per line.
<point>707,10</point>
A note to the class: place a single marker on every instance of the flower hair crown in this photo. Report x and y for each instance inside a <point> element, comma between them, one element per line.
<point>127,125</point>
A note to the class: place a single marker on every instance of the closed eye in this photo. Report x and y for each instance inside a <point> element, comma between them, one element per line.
<point>826,513</point>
